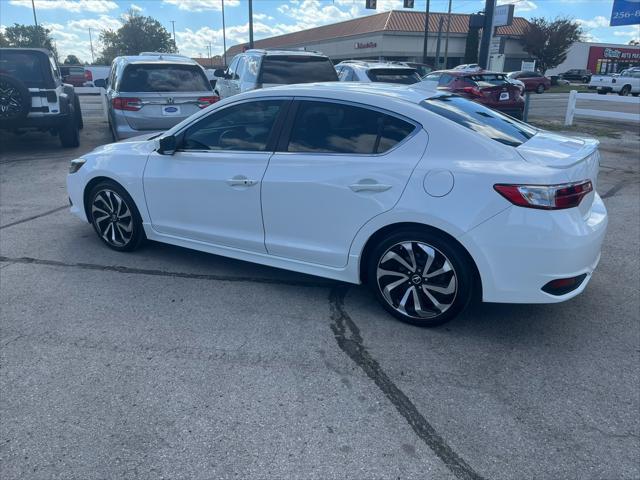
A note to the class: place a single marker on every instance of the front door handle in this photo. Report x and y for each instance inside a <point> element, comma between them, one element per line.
<point>241,181</point>
<point>369,186</point>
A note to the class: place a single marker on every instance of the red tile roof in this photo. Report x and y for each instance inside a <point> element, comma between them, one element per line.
<point>392,21</point>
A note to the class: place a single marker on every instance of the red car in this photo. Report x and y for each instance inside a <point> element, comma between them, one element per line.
<point>533,81</point>
<point>76,75</point>
<point>491,89</point>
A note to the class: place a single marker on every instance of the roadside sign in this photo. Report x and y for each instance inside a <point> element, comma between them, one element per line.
<point>625,12</point>
<point>496,46</point>
<point>503,15</point>
<point>528,66</point>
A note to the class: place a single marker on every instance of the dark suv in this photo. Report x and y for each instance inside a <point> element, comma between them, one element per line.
<point>33,97</point>
<point>577,75</point>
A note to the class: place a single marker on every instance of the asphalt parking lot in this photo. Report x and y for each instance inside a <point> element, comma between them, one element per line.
<point>169,363</point>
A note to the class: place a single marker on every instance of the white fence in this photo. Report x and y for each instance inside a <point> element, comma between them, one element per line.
<point>574,96</point>
<point>92,108</point>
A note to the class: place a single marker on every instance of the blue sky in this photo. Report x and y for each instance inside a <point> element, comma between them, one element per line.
<point>199,22</point>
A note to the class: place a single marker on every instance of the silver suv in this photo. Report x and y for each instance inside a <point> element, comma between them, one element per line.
<point>259,68</point>
<point>363,71</point>
<point>152,92</point>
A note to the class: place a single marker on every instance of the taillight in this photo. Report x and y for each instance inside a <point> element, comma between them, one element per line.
<point>88,76</point>
<point>473,91</point>
<point>546,197</point>
<point>126,103</point>
<point>204,102</point>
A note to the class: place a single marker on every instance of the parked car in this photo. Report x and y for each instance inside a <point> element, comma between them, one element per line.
<point>33,96</point>
<point>489,88</point>
<point>425,196</point>
<point>422,69</point>
<point>257,68</point>
<point>362,71</point>
<point>75,75</point>
<point>625,83</point>
<point>94,73</point>
<point>577,75</point>
<point>533,81</point>
<point>468,67</point>
<point>153,92</point>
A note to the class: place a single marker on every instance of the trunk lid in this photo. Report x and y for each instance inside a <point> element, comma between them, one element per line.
<point>162,110</point>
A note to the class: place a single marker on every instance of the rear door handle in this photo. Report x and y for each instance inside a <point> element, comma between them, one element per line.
<point>369,187</point>
<point>241,181</point>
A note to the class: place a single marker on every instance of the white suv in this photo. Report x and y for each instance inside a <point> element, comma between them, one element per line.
<point>259,68</point>
<point>361,71</point>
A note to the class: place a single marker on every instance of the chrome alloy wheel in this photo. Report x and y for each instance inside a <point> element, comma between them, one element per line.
<point>417,279</point>
<point>112,218</point>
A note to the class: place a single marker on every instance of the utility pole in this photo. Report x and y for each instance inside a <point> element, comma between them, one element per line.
<point>486,33</point>
<point>224,37</point>
<point>426,34</point>
<point>446,41</point>
<point>210,55</point>
<point>35,21</point>
<point>91,45</point>
<point>173,27</point>
<point>250,23</point>
<point>437,60</point>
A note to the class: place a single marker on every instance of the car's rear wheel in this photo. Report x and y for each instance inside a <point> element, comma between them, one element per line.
<point>78,112</point>
<point>69,133</point>
<point>540,88</point>
<point>602,92</point>
<point>115,218</point>
<point>420,277</point>
<point>586,79</point>
<point>625,91</point>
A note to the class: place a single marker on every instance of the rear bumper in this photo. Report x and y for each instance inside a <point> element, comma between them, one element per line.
<point>42,121</point>
<point>520,250</point>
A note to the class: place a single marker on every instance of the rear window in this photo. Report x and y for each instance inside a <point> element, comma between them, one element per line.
<point>288,69</point>
<point>482,120</point>
<point>24,66</point>
<point>163,78</point>
<point>486,79</point>
<point>393,75</point>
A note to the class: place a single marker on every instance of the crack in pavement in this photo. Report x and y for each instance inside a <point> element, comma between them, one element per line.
<point>164,273</point>
<point>33,217</point>
<point>349,339</point>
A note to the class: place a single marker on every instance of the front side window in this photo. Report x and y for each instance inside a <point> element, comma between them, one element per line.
<point>242,127</point>
<point>325,127</point>
<point>480,119</point>
<point>163,78</point>
<point>231,70</point>
<point>445,79</point>
<point>289,69</point>
<point>251,69</point>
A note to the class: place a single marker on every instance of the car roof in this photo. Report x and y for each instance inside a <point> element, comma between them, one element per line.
<point>462,73</point>
<point>267,52</point>
<point>26,49</point>
<point>159,58</point>
<point>370,65</point>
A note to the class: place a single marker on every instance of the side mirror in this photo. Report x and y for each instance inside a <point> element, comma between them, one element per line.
<point>167,145</point>
<point>219,72</point>
<point>100,83</point>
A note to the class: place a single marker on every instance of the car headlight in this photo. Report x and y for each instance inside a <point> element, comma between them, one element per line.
<point>76,165</point>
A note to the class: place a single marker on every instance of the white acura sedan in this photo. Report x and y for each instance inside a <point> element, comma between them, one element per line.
<point>427,197</point>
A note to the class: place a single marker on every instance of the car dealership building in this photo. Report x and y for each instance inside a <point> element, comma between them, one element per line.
<point>599,58</point>
<point>397,35</point>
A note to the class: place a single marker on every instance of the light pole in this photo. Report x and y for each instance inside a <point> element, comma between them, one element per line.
<point>91,45</point>
<point>250,23</point>
<point>224,37</point>
<point>426,34</point>
<point>35,21</point>
<point>173,27</point>
<point>446,41</point>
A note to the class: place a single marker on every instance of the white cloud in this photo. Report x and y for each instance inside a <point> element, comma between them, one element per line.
<point>201,5</point>
<point>104,22</point>
<point>94,6</point>
<point>136,8</point>
<point>596,22</point>
<point>632,33</point>
<point>521,5</point>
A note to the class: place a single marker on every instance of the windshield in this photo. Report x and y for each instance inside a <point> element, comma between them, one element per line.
<point>164,78</point>
<point>288,69</point>
<point>25,66</point>
<point>482,120</point>
<point>394,75</point>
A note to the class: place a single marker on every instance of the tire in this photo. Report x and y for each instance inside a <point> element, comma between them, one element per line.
<point>78,112</point>
<point>15,99</point>
<point>625,91</point>
<point>602,92</point>
<point>586,79</point>
<point>635,94</point>
<point>540,88</point>
<point>112,213</point>
<point>69,133</point>
<point>449,291</point>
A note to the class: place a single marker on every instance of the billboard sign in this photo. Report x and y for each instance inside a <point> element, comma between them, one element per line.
<point>503,15</point>
<point>625,12</point>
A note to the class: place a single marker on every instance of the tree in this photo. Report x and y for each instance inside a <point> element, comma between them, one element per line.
<point>471,46</point>
<point>634,42</point>
<point>3,40</point>
<point>138,34</point>
<point>548,42</point>
<point>28,36</point>
<point>72,60</point>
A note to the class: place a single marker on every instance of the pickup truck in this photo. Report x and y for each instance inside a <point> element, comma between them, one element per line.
<point>623,83</point>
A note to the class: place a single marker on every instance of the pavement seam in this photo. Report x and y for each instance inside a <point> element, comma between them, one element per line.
<point>163,273</point>
<point>349,339</point>
<point>34,217</point>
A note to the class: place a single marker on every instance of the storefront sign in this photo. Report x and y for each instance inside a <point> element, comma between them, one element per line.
<point>503,15</point>
<point>359,45</point>
<point>625,12</point>
<point>612,59</point>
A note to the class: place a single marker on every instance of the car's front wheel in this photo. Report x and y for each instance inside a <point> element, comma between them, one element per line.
<point>420,277</point>
<point>540,88</point>
<point>625,91</point>
<point>115,218</point>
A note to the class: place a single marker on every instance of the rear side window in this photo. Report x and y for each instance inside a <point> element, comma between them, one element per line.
<point>325,127</point>
<point>163,78</point>
<point>288,69</point>
<point>481,120</point>
<point>393,75</point>
<point>243,127</point>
